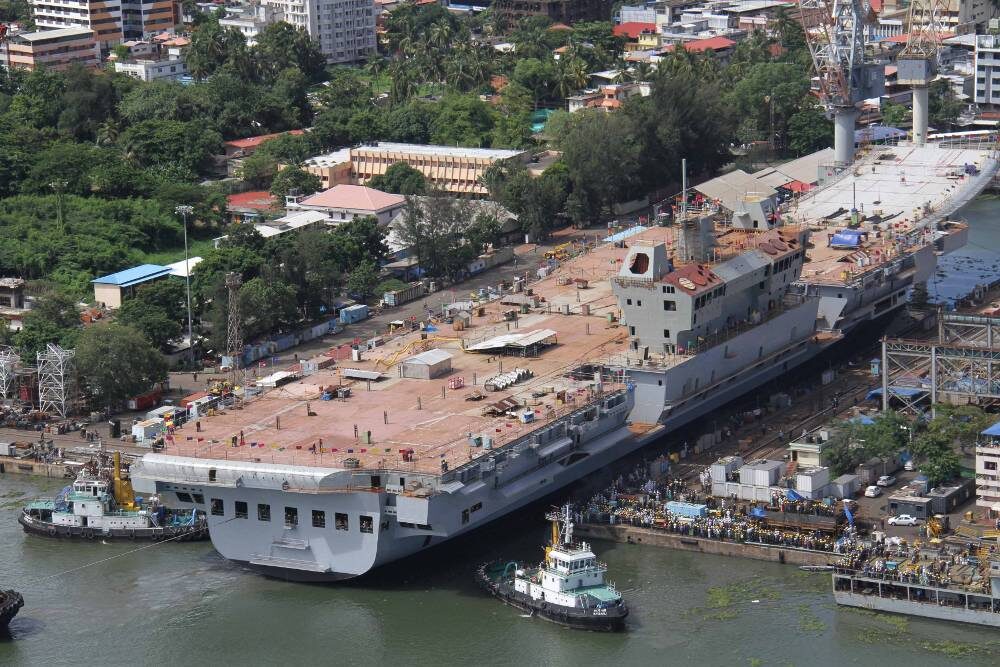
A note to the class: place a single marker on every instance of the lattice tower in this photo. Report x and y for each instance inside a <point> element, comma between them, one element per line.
<point>56,380</point>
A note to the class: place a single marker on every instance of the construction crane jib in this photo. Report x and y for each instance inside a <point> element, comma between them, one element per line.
<point>835,32</point>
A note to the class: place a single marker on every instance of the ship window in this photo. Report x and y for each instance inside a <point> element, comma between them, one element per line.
<point>465,516</point>
<point>477,507</point>
<point>263,512</point>
<point>367,525</point>
<point>217,508</point>
<point>631,330</point>
<point>291,516</point>
<point>638,302</point>
<point>319,519</point>
<point>990,465</point>
<point>183,497</point>
<point>628,302</point>
<point>211,474</point>
<point>198,498</point>
<point>340,521</point>
<point>666,333</point>
<point>241,509</point>
<point>669,304</point>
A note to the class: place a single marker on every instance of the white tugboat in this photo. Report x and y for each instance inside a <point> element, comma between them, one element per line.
<point>102,504</point>
<point>567,588</point>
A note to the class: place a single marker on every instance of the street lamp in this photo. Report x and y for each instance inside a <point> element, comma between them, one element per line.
<point>184,212</point>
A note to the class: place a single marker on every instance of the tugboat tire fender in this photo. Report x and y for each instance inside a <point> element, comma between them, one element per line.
<point>88,533</point>
<point>52,531</point>
<point>131,534</point>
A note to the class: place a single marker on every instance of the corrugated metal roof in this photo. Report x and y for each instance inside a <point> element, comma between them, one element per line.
<point>430,357</point>
<point>730,189</point>
<point>360,374</point>
<point>741,265</point>
<point>514,340</point>
<point>133,276</point>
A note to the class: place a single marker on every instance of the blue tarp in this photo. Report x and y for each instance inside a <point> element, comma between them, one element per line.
<point>846,238</point>
<point>620,236</point>
<point>993,430</point>
<point>758,512</point>
<point>864,420</point>
<point>908,392</point>
<point>792,495</point>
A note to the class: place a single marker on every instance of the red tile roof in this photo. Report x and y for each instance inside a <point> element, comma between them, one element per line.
<point>710,44</point>
<point>633,29</point>
<point>559,26</point>
<point>354,197</point>
<point>254,142</point>
<point>901,39</point>
<point>258,199</point>
<point>876,6</point>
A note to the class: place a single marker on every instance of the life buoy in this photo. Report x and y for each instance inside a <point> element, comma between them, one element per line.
<point>52,531</point>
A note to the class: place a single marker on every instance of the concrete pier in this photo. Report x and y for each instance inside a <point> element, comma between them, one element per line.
<point>843,135</point>
<point>660,538</point>
<point>920,111</point>
<point>11,465</point>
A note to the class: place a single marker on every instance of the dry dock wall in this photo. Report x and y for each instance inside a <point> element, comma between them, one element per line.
<point>659,538</point>
<point>11,465</point>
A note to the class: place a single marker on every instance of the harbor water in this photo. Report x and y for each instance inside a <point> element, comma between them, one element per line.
<point>182,604</point>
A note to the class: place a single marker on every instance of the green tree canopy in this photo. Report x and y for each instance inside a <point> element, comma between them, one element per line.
<point>116,362</point>
<point>401,179</point>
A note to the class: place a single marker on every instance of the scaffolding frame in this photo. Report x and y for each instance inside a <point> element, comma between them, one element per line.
<point>962,364</point>
<point>9,362</point>
<point>56,380</point>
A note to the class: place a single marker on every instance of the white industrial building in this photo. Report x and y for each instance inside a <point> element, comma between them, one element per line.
<point>426,365</point>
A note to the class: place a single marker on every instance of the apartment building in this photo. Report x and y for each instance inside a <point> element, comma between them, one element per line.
<point>959,16</point>
<point>54,49</point>
<point>112,21</point>
<point>249,20</point>
<point>450,168</point>
<point>344,29</point>
<point>986,59</point>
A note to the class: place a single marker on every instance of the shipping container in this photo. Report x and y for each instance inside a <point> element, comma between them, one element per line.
<point>690,510</point>
<point>354,314</point>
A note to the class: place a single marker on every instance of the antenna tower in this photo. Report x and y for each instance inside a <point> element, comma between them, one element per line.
<point>234,320</point>
<point>9,361</point>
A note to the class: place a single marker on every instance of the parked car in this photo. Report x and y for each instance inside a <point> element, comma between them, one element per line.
<point>909,466</point>
<point>903,520</point>
<point>873,491</point>
<point>886,480</point>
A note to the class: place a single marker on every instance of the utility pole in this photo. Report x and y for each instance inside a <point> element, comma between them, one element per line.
<point>184,211</point>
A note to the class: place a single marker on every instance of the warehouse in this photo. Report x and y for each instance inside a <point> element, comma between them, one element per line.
<point>426,365</point>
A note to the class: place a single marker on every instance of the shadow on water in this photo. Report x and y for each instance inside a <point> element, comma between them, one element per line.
<point>22,627</point>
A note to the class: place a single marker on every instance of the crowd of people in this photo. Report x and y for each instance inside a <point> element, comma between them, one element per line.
<point>637,500</point>
<point>897,561</point>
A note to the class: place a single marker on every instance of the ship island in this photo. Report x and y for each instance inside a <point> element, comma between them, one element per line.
<point>337,466</point>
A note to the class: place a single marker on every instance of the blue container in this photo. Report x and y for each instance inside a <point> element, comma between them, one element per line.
<point>690,510</point>
<point>354,314</point>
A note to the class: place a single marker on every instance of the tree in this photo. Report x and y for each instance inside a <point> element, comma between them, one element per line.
<point>149,319</point>
<point>463,120</point>
<point>942,467</point>
<point>295,178</point>
<point>359,240</point>
<point>116,362</point>
<point>435,228</point>
<point>362,280</point>
<point>894,115</point>
<point>189,145</point>
<point>944,106</point>
<point>401,179</point>
<point>809,130</point>
<point>258,170</point>
<point>267,306</point>
<point>771,92</point>
<point>281,45</point>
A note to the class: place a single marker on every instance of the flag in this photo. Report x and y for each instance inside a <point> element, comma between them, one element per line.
<point>848,514</point>
<point>364,451</point>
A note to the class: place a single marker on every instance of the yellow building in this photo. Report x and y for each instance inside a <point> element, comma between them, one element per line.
<point>452,169</point>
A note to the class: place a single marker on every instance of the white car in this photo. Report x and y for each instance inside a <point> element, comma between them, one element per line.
<point>903,520</point>
<point>886,480</point>
<point>909,466</point>
<point>873,492</point>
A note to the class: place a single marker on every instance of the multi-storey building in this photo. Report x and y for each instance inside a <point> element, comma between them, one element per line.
<point>111,20</point>
<point>449,168</point>
<point>959,16</point>
<point>344,29</point>
<point>54,49</point>
<point>249,20</point>
<point>988,468</point>
<point>987,67</point>
<point>103,17</point>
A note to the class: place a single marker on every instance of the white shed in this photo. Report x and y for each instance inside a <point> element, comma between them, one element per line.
<point>426,365</point>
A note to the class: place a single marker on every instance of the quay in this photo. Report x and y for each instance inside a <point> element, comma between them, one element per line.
<point>660,538</point>
<point>25,466</point>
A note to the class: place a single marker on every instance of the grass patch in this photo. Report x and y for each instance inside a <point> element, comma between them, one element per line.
<point>954,649</point>
<point>723,601</point>
<point>195,249</point>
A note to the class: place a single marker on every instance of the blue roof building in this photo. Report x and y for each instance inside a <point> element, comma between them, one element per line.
<point>112,290</point>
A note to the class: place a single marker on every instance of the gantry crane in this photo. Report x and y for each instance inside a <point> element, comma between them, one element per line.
<point>835,33</point>
<point>917,62</point>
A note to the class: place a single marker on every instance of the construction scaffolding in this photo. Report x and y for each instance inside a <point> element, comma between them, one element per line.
<point>9,362</point>
<point>234,325</point>
<point>56,380</point>
<point>961,366</point>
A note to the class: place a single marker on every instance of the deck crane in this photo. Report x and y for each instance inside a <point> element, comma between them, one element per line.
<point>835,33</point>
<point>917,62</point>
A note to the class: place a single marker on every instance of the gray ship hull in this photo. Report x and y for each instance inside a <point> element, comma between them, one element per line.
<point>925,609</point>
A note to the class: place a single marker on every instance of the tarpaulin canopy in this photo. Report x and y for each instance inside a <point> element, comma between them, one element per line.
<point>792,495</point>
<point>846,238</point>
<point>993,430</point>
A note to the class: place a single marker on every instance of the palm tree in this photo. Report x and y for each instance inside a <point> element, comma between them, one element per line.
<point>642,71</point>
<point>439,34</point>
<point>107,133</point>
<point>374,67</point>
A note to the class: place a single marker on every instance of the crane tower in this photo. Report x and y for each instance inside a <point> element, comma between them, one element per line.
<point>835,32</point>
<point>917,62</point>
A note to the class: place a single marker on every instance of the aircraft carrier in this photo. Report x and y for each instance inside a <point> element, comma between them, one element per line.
<point>350,465</point>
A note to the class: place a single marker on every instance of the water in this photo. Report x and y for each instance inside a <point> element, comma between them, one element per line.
<point>182,604</point>
<point>978,262</point>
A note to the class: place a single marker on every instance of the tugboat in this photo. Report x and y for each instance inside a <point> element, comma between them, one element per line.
<point>10,603</point>
<point>101,504</point>
<point>568,588</point>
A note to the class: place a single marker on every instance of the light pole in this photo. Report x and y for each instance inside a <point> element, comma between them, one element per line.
<point>184,212</point>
